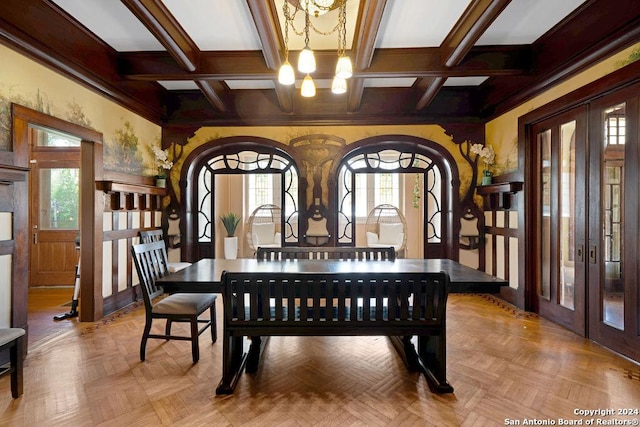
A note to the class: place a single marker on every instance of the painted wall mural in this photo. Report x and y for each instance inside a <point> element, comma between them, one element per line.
<point>127,137</point>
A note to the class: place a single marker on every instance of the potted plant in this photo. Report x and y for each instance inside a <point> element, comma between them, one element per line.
<point>230,222</point>
<point>487,155</point>
<point>163,164</point>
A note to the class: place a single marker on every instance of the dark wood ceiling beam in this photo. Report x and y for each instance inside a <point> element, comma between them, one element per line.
<point>210,91</point>
<point>265,19</point>
<point>163,25</point>
<point>249,65</point>
<point>363,46</point>
<point>590,34</point>
<point>475,20</point>
<point>75,53</point>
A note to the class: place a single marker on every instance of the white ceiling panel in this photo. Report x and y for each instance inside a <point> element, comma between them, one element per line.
<point>216,25</point>
<point>524,21</point>
<point>179,84</point>
<point>465,81</point>
<point>418,23</point>
<point>321,36</point>
<point>250,84</point>
<point>112,22</point>
<point>390,82</point>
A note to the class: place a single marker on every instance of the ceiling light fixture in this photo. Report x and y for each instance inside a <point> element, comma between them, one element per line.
<point>286,75</point>
<point>306,59</point>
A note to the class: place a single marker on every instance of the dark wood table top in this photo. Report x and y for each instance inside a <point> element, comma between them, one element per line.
<point>205,275</point>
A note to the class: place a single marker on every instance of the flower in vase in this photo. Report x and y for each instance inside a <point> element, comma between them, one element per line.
<point>486,154</point>
<point>162,161</point>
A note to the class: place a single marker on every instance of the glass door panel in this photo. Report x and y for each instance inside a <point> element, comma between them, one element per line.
<point>544,141</point>
<point>567,213</point>
<point>612,206</point>
<point>560,244</point>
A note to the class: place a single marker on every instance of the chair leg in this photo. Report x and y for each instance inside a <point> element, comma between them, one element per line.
<point>15,356</point>
<point>214,328</point>
<point>167,328</point>
<point>195,350</point>
<point>145,336</point>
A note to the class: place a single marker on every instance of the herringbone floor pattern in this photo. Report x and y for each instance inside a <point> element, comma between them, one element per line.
<point>504,364</point>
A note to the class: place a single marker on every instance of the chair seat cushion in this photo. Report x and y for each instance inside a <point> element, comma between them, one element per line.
<point>184,304</point>
<point>10,334</point>
<point>391,234</point>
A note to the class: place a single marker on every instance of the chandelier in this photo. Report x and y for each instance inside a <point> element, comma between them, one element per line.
<point>306,59</point>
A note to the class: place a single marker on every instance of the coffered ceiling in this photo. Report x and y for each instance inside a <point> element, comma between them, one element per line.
<point>207,62</point>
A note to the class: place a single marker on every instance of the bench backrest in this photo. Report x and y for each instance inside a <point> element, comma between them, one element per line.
<point>341,252</point>
<point>343,301</point>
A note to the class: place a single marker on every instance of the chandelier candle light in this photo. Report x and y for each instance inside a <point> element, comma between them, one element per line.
<point>306,59</point>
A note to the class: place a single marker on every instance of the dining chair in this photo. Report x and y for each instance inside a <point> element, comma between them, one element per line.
<point>147,235</point>
<point>13,341</point>
<point>150,260</point>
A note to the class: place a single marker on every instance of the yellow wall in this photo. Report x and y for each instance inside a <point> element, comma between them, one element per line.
<point>32,85</point>
<point>350,134</point>
<point>502,132</point>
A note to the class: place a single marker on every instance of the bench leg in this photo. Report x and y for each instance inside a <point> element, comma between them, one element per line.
<point>15,358</point>
<point>253,357</point>
<point>233,362</point>
<point>432,352</point>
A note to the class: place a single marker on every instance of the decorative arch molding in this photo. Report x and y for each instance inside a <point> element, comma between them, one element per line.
<point>415,155</point>
<point>271,157</point>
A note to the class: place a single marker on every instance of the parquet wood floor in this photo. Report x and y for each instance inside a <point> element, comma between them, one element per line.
<point>504,364</point>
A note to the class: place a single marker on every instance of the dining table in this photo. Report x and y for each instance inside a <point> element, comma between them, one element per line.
<point>205,275</point>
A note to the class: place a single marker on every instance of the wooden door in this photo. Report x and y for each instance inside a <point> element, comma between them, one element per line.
<point>54,216</point>
<point>614,234</point>
<point>560,147</point>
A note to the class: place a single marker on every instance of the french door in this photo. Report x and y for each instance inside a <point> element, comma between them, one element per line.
<point>614,305</point>
<point>587,227</point>
<point>560,154</point>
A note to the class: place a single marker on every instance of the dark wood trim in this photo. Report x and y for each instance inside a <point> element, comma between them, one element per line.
<point>121,299</point>
<point>475,20</point>
<point>91,229</point>
<point>29,35</point>
<point>163,25</point>
<point>389,62</point>
<point>596,31</point>
<point>363,47</point>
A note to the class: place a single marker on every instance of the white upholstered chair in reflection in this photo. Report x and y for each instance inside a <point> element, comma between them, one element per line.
<point>263,227</point>
<point>386,226</point>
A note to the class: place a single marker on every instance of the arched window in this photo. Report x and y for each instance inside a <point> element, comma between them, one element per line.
<point>369,175</point>
<point>266,174</point>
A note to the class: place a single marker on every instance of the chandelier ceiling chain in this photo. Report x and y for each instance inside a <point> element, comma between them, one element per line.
<point>306,59</point>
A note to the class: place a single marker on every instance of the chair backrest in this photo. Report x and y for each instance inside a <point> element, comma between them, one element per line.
<point>150,260</point>
<point>340,252</point>
<point>150,235</point>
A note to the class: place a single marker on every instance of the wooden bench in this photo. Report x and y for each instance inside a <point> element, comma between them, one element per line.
<point>340,252</point>
<point>12,339</point>
<point>336,304</point>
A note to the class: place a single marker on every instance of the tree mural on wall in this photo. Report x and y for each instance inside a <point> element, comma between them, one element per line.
<point>123,154</point>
